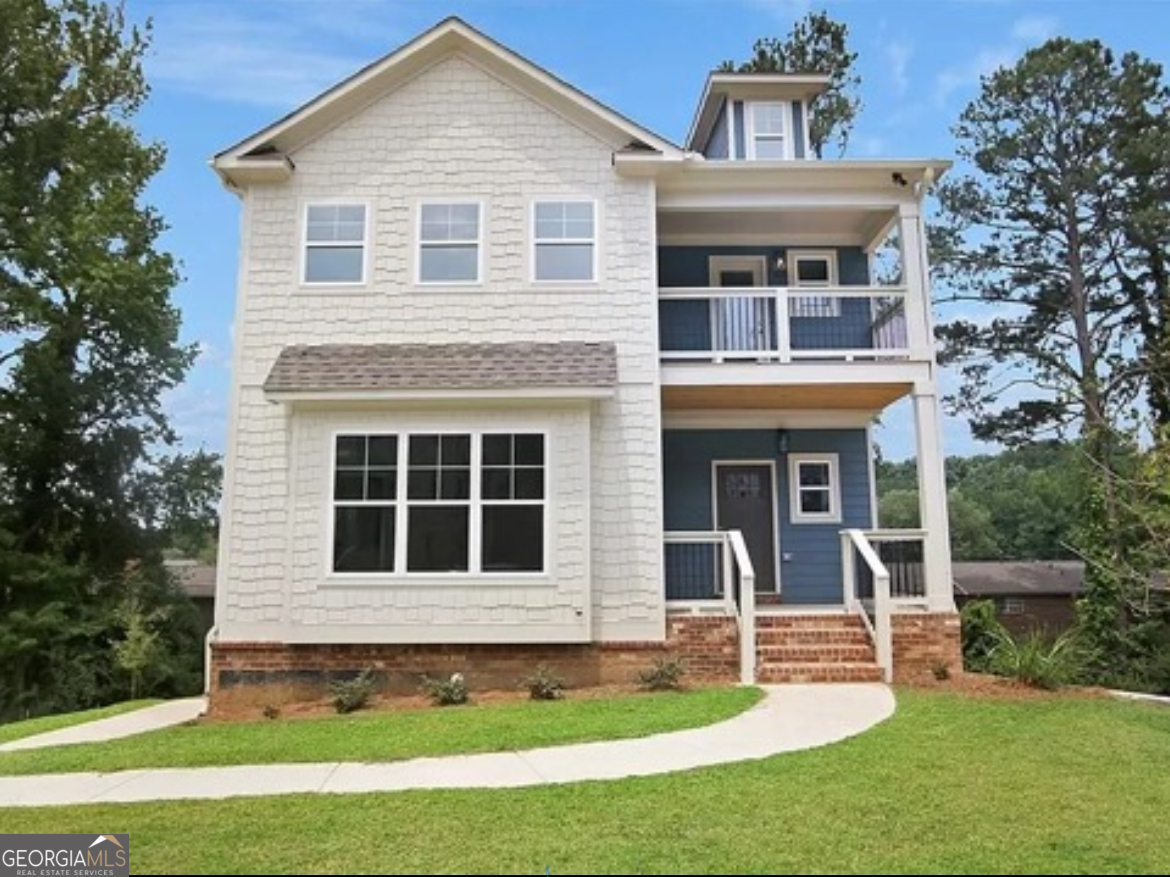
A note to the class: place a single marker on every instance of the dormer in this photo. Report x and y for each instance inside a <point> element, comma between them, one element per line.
<point>755,116</point>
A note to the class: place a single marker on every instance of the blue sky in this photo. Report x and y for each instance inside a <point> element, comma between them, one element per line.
<point>221,69</point>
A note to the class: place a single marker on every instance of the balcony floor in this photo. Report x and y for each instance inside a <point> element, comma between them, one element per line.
<point>807,397</point>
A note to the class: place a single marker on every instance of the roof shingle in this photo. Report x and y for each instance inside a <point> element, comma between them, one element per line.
<point>341,367</point>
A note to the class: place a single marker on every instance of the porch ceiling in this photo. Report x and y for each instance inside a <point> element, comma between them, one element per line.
<point>808,397</point>
<point>845,225</point>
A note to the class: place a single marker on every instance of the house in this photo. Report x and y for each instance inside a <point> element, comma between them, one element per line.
<point>519,381</point>
<point>197,581</point>
<point>1028,595</point>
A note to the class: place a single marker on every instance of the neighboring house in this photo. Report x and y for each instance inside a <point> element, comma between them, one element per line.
<point>197,581</point>
<point>1028,594</point>
<point>518,380</point>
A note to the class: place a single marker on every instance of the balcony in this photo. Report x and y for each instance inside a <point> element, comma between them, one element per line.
<point>791,341</point>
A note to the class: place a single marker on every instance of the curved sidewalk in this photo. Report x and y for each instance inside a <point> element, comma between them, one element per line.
<point>789,718</point>
<point>139,721</point>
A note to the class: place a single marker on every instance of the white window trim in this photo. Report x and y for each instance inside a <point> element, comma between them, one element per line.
<point>793,258</point>
<point>454,200</point>
<point>1014,606</point>
<point>750,128</point>
<point>833,516</point>
<point>303,253</point>
<point>595,268</point>
<point>400,576</point>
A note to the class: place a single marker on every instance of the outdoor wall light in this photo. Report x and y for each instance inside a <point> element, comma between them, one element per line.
<point>782,441</point>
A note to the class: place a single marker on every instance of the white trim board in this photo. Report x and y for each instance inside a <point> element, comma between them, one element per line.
<point>777,419</point>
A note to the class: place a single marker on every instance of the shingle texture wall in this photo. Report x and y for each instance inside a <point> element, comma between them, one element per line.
<point>453,132</point>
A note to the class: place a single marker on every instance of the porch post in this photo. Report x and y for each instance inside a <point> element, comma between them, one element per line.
<point>932,499</point>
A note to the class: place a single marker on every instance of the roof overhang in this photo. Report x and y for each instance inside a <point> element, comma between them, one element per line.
<point>720,87</point>
<point>449,37</point>
<point>438,398</point>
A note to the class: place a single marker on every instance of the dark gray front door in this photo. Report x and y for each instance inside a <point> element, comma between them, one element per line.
<point>744,502</point>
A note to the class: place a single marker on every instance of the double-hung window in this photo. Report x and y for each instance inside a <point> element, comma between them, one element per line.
<point>450,242</point>
<point>463,503</point>
<point>335,244</point>
<point>815,488</point>
<point>564,241</point>
<point>809,270</point>
<point>768,130</point>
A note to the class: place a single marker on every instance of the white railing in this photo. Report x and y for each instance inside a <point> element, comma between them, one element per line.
<point>714,569</point>
<point>903,553</point>
<point>858,555</point>
<point>787,324</point>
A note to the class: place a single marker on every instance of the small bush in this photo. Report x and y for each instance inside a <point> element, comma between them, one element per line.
<point>544,684</point>
<point>941,670</point>
<point>271,711</point>
<point>1036,660</point>
<point>665,674</point>
<point>446,692</point>
<point>982,632</point>
<point>350,695</point>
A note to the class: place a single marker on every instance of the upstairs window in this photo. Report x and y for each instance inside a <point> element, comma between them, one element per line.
<point>768,137</point>
<point>449,242</point>
<point>809,269</point>
<point>335,244</point>
<point>564,237</point>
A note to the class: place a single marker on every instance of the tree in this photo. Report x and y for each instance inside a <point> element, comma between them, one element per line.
<point>1037,230</point>
<point>88,345</point>
<point>816,44</point>
<point>973,535</point>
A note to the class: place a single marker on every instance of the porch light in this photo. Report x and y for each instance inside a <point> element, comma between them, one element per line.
<point>782,441</point>
<point>779,263</point>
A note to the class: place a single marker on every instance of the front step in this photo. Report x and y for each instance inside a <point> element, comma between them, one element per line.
<point>778,674</point>
<point>820,647</point>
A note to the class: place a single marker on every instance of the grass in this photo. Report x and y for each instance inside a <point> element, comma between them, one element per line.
<point>389,736</point>
<point>950,785</point>
<point>28,727</point>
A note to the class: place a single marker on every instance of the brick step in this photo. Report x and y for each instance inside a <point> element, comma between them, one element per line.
<point>814,655</point>
<point>811,637</point>
<point>809,622</point>
<point>803,672</point>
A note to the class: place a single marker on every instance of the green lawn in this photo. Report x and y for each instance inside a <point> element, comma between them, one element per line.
<point>28,727</point>
<point>389,736</point>
<point>949,785</point>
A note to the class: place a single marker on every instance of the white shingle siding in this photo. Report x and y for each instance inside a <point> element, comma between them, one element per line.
<point>453,131</point>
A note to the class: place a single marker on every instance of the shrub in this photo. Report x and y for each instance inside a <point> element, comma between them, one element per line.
<point>941,670</point>
<point>665,674</point>
<point>1036,660</point>
<point>982,632</point>
<point>350,695</point>
<point>446,692</point>
<point>544,684</point>
<point>271,711</point>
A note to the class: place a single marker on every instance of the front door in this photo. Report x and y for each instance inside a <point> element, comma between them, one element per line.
<point>742,322</point>
<point>744,502</point>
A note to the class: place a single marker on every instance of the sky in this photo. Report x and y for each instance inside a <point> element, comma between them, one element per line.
<point>223,69</point>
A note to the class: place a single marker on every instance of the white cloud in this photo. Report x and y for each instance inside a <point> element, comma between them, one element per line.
<point>785,10</point>
<point>1034,28</point>
<point>262,53</point>
<point>897,54</point>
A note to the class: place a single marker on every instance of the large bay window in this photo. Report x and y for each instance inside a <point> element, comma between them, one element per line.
<point>439,503</point>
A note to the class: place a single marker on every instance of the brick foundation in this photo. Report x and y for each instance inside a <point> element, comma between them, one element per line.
<point>707,645</point>
<point>925,641</point>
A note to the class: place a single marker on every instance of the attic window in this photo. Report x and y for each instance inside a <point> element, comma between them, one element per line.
<point>768,130</point>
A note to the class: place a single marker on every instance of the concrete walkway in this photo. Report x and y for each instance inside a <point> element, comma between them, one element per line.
<point>150,718</point>
<point>789,718</point>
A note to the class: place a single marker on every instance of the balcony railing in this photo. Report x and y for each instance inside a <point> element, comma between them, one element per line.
<point>784,324</point>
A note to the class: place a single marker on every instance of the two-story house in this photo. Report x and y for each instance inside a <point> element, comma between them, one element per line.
<point>519,381</point>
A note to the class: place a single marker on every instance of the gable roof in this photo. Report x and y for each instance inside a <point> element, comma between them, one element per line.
<point>1019,578</point>
<point>749,86</point>
<point>340,369</point>
<point>263,155</point>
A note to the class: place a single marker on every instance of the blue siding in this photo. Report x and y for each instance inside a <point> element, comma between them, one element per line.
<point>719,142</point>
<point>686,325</point>
<point>737,120</point>
<point>812,574</point>
<point>798,145</point>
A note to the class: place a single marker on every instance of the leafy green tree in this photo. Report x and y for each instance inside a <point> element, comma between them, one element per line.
<point>973,535</point>
<point>88,346</point>
<point>816,44</point>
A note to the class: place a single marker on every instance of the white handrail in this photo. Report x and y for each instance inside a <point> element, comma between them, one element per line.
<point>700,292</point>
<point>882,629</point>
<point>747,607</point>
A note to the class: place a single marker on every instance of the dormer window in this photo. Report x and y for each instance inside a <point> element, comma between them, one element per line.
<point>768,135</point>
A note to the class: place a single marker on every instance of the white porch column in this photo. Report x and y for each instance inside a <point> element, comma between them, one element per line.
<point>916,277</point>
<point>932,500</point>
